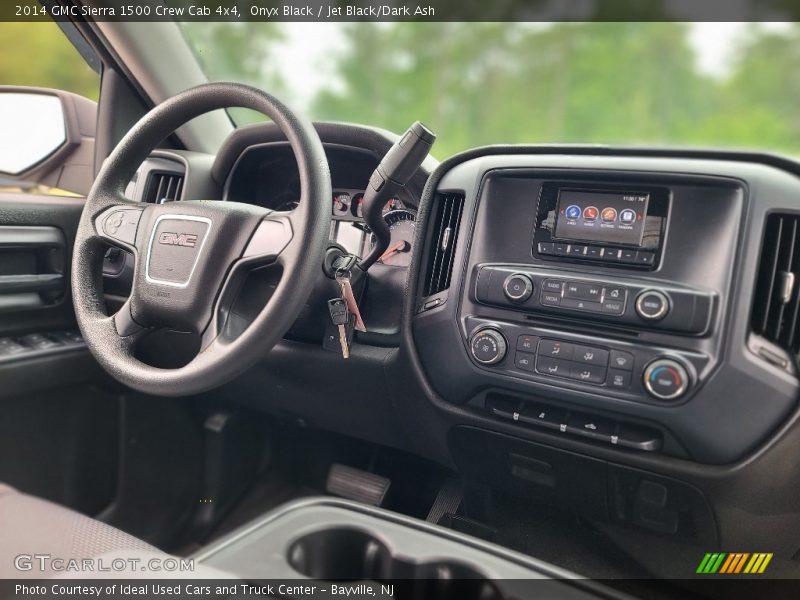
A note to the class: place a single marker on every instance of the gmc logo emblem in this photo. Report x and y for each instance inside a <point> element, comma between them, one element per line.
<point>169,238</point>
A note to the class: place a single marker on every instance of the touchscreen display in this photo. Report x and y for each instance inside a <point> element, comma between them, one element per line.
<point>606,217</point>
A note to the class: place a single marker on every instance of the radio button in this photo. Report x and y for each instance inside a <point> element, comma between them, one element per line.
<point>586,355</point>
<point>552,366</point>
<point>583,291</point>
<point>611,254</point>
<point>593,251</point>
<point>552,285</point>
<point>627,256</point>
<point>556,349</point>
<point>581,304</point>
<point>645,258</point>
<point>652,305</point>
<point>587,373</point>
<point>621,360</point>
<point>613,307</point>
<point>550,299</point>
<point>577,250</point>
<point>619,379</point>
<point>527,343</point>
<point>560,249</point>
<point>545,248</point>
<point>518,287</point>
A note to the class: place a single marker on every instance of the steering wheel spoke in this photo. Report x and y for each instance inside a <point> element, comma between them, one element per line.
<point>271,238</point>
<point>119,223</point>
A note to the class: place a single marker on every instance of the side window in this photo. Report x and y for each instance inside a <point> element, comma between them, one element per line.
<point>48,95</point>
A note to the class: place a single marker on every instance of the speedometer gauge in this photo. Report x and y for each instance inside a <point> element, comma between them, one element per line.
<point>402,224</point>
<point>341,204</point>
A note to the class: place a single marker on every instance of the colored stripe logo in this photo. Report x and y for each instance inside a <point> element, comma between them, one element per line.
<point>733,563</point>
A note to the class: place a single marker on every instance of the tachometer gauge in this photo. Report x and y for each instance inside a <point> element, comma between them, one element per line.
<point>392,204</point>
<point>341,204</point>
<point>357,207</point>
<point>402,224</point>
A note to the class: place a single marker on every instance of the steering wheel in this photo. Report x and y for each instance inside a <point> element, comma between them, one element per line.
<point>192,256</point>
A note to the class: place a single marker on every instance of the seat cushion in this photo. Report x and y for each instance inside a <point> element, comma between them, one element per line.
<point>30,526</point>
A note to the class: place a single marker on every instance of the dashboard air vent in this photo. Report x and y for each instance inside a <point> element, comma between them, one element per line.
<point>777,296</point>
<point>163,187</point>
<point>446,220</point>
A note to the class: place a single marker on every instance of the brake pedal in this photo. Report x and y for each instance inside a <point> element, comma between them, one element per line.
<point>358,485</point>
<point>447,500</point>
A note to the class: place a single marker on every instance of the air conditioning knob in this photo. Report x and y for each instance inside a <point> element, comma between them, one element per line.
<point>518,287</point>
<point>666,379</point>
<point>488,346</point>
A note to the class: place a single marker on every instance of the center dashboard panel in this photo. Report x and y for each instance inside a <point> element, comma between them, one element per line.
<point>598,294</point>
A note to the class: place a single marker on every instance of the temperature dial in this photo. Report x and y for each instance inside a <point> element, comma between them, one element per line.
<point>488,346</point>
<point>666,379</point>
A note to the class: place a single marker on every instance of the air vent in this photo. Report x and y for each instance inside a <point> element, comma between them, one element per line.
<point>446,219</point>
<point>777,301</point>
<point>163,187</point>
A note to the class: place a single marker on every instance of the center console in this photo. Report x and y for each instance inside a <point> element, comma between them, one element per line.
<point>595,293</point>
<point>330,546</point>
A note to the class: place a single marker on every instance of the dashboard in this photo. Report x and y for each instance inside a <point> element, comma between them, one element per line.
<point>266,175</point>
<point>608,329</point>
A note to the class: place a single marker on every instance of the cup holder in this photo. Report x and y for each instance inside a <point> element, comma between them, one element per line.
<point>348,554</point>
<point>340,554</point>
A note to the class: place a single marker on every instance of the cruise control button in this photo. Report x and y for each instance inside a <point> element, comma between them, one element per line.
<point>552,366</point>
<point>524,361</point>
<point>589,426</point>
<point>527,343</point>
<point>583,291</point>
<point>590,356</point>
<point>587,373</point>
<point>543,416</point>
<point>621,360</point>
<point>619,379</point>
<point>556,349</point>
<point>552,285</point>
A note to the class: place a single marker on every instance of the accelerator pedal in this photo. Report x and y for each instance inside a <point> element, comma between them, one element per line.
<point>358,485</point>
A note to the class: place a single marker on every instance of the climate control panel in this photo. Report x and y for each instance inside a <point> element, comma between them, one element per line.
<point>623,301</point>
<point>615,369</point>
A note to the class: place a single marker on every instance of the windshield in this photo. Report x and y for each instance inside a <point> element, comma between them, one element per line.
<point>686,84</point>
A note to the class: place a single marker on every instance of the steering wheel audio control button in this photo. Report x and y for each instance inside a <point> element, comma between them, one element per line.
<point>518,287</point>
<point>488,346</point>
<point>666,379</point>
<point>121,224</point>
<point>652,305</point>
